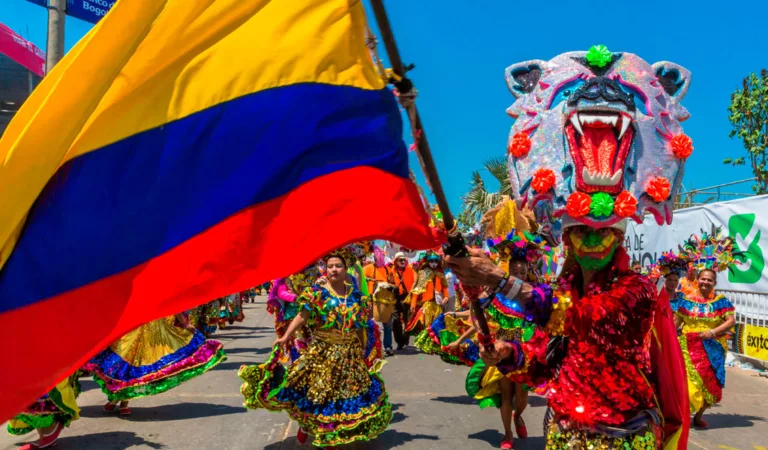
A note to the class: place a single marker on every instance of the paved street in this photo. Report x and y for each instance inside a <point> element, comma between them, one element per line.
<point>432,410</point>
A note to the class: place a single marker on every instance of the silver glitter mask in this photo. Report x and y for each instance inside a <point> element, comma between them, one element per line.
<point>605,129</point>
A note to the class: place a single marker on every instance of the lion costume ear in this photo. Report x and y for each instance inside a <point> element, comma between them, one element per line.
<point>523,77</point>
<point>673,78</point>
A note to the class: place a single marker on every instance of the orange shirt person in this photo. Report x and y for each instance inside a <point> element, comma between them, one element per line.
<point>375,275</point>
<point>403,274</point>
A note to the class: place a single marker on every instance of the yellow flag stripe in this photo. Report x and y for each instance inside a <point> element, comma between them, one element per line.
<point>202,53</point>
<point>150,62</point>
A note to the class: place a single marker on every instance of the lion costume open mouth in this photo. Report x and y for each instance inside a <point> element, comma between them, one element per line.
<point>599,141</point>
<point>597,138</point>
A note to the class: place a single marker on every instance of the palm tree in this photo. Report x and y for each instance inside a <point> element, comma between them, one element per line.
<point>477,201</point>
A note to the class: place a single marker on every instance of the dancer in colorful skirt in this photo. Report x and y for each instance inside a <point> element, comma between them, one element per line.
<point>518,254</point>
<point>333,390</point>
<point>282,305</point>
<point>427,295</point>
<point>231,310</point>
<point>578,116</point>
<point>49,414</point>
<point>213,313</point>
<point>152,359</point>
<point>705,318</point>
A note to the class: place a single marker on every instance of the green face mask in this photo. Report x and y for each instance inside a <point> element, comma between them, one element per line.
<point>591,240</point>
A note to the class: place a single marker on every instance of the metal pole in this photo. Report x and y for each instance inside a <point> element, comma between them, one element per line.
<point>55,47</point>
<point>425,155</point>
<point>456,244</point>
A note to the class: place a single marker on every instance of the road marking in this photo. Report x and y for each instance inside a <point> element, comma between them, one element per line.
<point>725,447</point>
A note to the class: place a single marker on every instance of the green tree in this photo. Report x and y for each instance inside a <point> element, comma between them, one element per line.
<point>748,114</point>
<point>478,200</point>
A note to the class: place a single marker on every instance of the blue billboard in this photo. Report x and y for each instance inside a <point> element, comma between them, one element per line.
<point>88,10</point>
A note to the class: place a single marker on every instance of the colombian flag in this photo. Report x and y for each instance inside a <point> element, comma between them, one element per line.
<point>185,150</point>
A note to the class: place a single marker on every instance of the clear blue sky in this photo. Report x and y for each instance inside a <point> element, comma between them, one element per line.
<point>461,49</point>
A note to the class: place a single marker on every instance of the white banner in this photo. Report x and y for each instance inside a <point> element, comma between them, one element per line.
<point>746,220</point>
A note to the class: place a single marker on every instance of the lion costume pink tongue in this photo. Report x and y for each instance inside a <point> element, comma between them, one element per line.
<point>599,152</point>
<point>598,147</point>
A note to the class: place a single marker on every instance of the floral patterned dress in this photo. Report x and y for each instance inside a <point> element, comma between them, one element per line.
<point>704,358</point>
<point>333,389</point>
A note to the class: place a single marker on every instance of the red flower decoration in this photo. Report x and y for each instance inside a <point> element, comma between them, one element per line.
<point>658,188</point>
<point>625,205</point>
<point>682,146</point>
<point>543,180</point>
<point>520,145</point>
<point>578,204</point>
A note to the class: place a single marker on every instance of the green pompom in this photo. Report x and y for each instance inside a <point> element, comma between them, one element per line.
<point>598,55</point>
<point>602,205</point>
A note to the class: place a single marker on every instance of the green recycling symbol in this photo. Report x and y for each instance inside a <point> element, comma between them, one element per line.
<point>752,262</point>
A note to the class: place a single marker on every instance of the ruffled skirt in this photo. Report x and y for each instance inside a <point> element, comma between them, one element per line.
<point>444,330</point>
<point>423,318</point>
<point>153,358</point>
<point>58,405</point>
<point>705,366</point>
<point>329,390</point>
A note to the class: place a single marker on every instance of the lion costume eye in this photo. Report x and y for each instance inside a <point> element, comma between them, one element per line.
<point>564,91</point>
<point>636,96</point>
<point>567,89</point>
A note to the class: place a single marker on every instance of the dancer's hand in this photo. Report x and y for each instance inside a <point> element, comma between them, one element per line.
<point>280,341</point>
<point>477,269</point>
<point>490,356</point>
<point>453,345</point>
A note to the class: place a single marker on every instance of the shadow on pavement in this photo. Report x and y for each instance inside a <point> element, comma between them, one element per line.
<point>241,327</point>
<point>535,400</point>
<point>386,440</point>
<point>115,440</point>
<point>393,438</point>
<point>531,443</point>
<point>235,365</point>
<point>721,420</point>
<point>397,416</point>
<point>456,400</point>
<point>219,336</point>
<point>494,437</point>
<point>176,411</point>
<point>408,351</point>
<point>490,436</point>
<point>87,384</point>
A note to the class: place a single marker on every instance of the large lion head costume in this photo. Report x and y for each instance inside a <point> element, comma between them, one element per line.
<point>597,137</point>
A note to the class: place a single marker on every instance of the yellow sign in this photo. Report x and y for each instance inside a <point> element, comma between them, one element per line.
<point>756,342</point>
